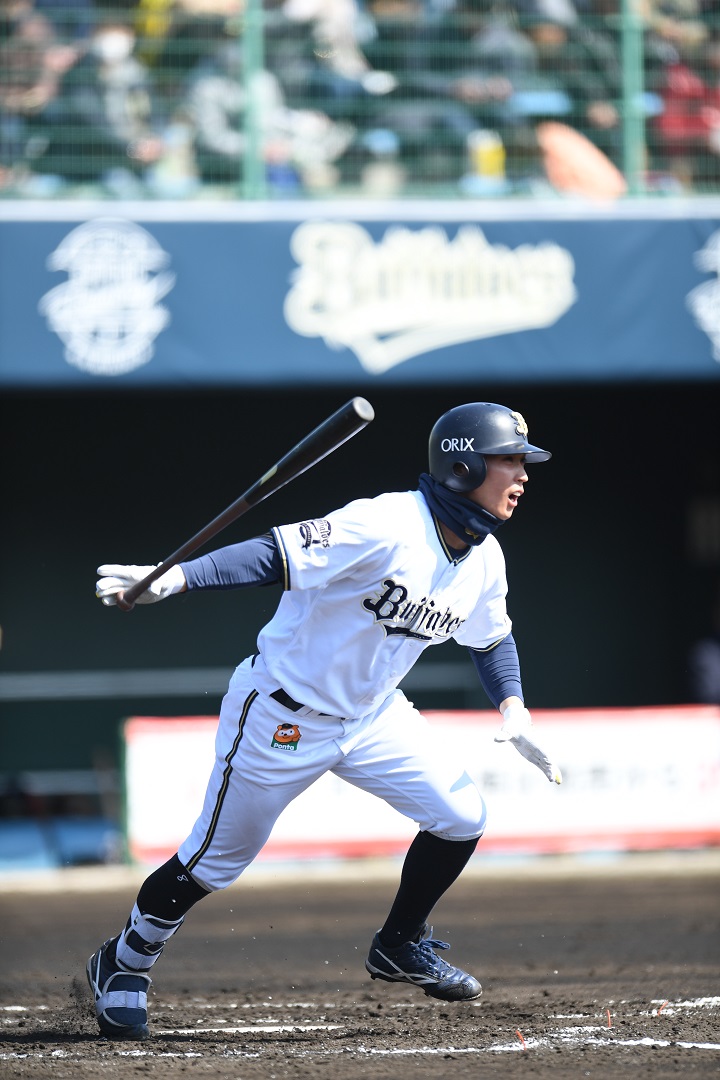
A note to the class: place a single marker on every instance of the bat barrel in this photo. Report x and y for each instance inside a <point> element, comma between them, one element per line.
<point>327,437</point>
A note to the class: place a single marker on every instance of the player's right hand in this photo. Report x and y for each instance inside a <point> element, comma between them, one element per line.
<point>116,578</point>
<point>518,729</point>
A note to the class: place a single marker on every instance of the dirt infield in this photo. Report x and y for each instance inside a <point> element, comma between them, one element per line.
<point>609,973</point>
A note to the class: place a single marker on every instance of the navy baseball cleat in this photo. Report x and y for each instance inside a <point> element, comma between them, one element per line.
<point>417,963</point>
<point>120,995</point>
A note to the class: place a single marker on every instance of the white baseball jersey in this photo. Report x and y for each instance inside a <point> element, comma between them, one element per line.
<point>367,589</point>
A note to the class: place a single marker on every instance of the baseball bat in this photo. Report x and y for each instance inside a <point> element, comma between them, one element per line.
<point>328,436</point>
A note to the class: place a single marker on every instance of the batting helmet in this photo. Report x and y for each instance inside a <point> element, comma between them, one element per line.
<point>463,435</point>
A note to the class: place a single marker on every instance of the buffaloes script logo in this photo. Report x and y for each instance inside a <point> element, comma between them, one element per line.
<point>408,618</point>
<point>315,532</point>
<point>410,291</point>
<point>286,737</point>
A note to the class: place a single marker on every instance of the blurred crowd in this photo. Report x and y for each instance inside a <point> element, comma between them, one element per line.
<point>169,98</point>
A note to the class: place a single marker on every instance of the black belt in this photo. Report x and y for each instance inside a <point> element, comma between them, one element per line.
<point>294,706</point>
<point>285,699</point>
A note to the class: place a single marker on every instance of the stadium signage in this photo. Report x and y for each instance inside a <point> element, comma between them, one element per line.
<point>360,294</point>
<point>704,301</point>
<point>414,291</point>
<point>107,313</point>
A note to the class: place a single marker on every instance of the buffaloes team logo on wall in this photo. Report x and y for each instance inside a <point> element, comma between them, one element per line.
<point>108,313</point>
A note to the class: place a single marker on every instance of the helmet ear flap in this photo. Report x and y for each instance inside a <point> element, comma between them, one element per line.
<point>479,471</point>
<point>466,477</point>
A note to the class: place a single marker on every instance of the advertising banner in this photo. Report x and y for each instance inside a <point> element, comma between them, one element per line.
<point>148,295</point>
<point>633,779</point>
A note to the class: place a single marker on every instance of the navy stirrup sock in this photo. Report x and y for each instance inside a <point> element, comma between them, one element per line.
<point>431,866</point>
<point>170,891</point>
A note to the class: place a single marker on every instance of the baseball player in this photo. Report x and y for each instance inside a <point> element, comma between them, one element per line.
<point>365,591</point>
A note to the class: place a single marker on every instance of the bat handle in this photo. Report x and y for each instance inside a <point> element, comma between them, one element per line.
<point>126,600</point>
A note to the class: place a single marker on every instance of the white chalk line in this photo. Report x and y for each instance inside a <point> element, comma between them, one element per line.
<point>415,1051</point>
<point>246,1028</point>
<point>670,1008</point>
<point>581,1035</point>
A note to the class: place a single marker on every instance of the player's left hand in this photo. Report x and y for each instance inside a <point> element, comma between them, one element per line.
<point>518,729</point>
<point>117,577</point>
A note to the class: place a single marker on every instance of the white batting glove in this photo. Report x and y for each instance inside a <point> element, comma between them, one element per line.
<point>115,578</point>
<point>518,729</point>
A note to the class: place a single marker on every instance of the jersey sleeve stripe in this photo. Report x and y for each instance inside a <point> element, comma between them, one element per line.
<point>285,560</point>
<point>494,645</point>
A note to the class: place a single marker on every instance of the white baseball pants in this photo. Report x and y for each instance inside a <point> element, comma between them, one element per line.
<point>392,753</point>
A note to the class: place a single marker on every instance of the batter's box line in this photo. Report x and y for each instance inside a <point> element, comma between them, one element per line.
<point>668,1008</point>
<point>248,1029</point>
<point>547,1042</point>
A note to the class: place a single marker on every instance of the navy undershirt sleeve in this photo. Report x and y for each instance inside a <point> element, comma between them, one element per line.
<point>499,671</point>
<point>251,562</point>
